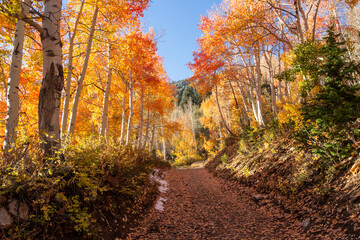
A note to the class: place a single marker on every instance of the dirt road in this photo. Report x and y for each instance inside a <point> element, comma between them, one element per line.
<point>197,205</point>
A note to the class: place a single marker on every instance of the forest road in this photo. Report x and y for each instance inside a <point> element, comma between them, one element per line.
<point>198,205</point>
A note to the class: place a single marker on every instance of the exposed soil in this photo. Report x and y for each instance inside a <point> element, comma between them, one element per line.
<point>200,206</point>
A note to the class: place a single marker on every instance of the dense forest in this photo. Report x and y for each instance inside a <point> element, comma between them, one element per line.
<point>85,102</point>
<point>87,110</point>
<point>290,66</point>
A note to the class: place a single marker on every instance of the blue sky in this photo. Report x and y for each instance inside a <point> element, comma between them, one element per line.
<point>176,22</point>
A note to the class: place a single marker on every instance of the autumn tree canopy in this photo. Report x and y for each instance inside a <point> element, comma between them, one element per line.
<point>116,86</point>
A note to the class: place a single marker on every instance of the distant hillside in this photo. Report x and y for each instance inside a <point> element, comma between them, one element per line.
<point>185,92</point>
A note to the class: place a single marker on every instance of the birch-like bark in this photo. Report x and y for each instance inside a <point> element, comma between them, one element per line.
<point>259,109</point>
<point>65,114</point>
<point>53,78</point>
<point>131,109</point>
<point>163,142</point>
<point>147,129</point>
<point>151,145</point>
<point>164,148</point>
<point>251,86</point>
<point>243,98</point>
<point>315,20</point>
<point>123,121</point>
<point>288,89</point>
<point>72,122</point>
<point>273,96</point>
<point>192,122</point>
<point>279,72</point>
<point>298,21</point>
<point>253,106</point>
<point>13,101</point>
<point>105,113</point>
<point>141,120</point>
<point>304,17</point>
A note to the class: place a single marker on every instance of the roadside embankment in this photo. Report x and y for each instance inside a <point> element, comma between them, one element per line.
<point>326,202</point>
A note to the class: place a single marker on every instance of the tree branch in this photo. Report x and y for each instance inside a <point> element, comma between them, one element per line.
<point>23,17</point>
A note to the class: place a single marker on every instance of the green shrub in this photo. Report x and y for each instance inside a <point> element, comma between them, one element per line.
<point>64,191</point>
<point>224,158</point>
<point>330,116</point>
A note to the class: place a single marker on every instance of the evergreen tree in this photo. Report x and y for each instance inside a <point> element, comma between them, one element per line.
<point>185,92</point>
<point>329,116</point>
<point>337,103</point>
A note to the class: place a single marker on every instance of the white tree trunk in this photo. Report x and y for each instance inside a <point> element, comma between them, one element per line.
<point>243,98</point>
<point>147,129</point>
<point>131,108</point>
<point>273,97</point>
<point>53,78</point>
<point>72,122</point>
<point>13,101</point>
<point>258,109</point>
<point>279,72</point>
<point>123,121</point>
<point>164,143</point>
<point>151,145</point>
<point>141,121</point>
<point>105,113</point>
<point>253,106</point>
<point>65,114</point>
<point>286,89</point>
<point>190,112</point>
<point>300,33</point>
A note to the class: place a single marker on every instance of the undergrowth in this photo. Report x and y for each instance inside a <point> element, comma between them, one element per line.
<point>67,194</point>
<point>289,166</point>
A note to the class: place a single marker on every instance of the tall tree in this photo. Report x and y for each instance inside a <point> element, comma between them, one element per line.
<point>105,113</point>
<point>13,100</point>
<point>70,67</point>
<point>76,100</point>
<point>131,109</point>
<point>53,78</point>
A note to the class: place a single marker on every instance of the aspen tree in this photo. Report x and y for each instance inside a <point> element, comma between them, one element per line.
<point>131,110</point>
<point>13,100</point>
<point>72,35</point>
<point>76,100</point>
<point>105,111</point>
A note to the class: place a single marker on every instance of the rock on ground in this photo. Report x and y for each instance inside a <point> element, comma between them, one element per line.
<point>5,218</point>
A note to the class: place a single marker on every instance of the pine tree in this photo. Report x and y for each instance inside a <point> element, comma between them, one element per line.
<point>337,103</point>
<point>330,115</point>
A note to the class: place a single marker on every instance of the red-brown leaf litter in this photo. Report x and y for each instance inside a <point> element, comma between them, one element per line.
<point>201,206</point>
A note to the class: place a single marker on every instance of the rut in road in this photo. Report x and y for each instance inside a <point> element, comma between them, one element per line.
<point>200,206</point>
